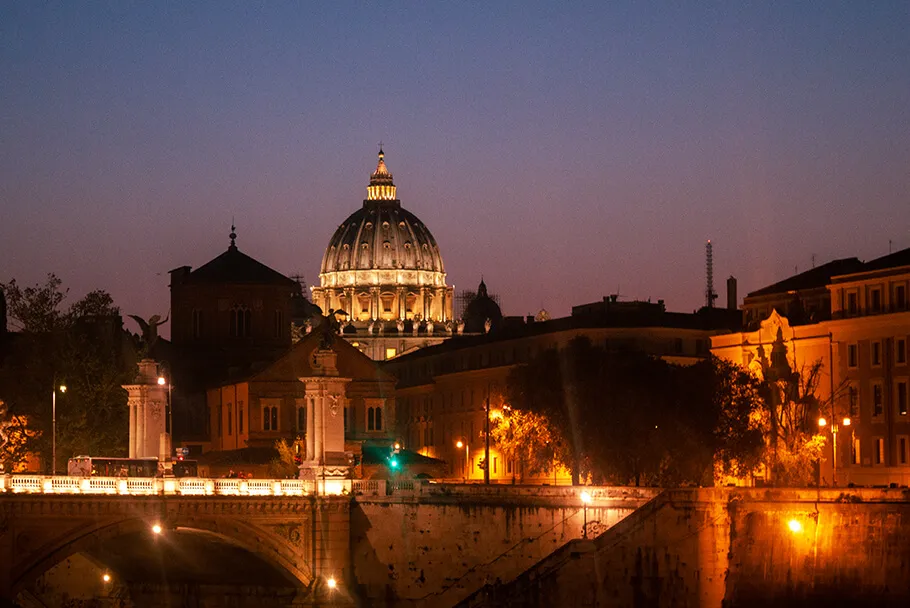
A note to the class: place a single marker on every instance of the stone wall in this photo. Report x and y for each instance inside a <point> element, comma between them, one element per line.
<point>441,544</point>
<point>732,547</point>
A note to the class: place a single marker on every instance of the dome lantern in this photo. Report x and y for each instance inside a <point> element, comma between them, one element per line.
<point>381,187</point>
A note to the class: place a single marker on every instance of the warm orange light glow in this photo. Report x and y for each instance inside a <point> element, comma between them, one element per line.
<point>156,529</point>
<point>106,578</point>
<point>161,381</point>
<point>459,444</point>
<point>397,446</point>
<point>62,388</point>
<point>847,422</point>
<point>586,498</point>
<point>795,526</point>
<point>822,422</point>
<point>331,582</point>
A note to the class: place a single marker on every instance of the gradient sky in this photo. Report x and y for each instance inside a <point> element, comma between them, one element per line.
<point>565,150</point>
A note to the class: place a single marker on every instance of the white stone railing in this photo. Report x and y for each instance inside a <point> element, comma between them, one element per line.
<point>363,488</point>
<point>182,486</point>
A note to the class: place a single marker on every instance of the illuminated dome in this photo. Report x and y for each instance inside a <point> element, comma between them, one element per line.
<point>383,263</point>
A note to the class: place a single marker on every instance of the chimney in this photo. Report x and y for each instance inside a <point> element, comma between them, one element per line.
<point>178,275</point>
<point>731,293</point>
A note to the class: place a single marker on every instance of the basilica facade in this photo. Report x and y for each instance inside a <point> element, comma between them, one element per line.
<point>383,270</point>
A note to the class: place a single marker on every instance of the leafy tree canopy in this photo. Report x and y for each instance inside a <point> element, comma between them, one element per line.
<point>628,418</point>
<point>83,347</point>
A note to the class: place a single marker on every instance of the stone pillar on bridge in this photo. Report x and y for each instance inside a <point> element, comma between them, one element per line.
<point>325,402</point>
<point>148,407</point>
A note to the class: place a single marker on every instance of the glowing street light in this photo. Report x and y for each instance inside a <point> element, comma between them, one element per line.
<point>156,529</point>
<point>585,501</point>
<point>795,526</point>
<point>170,414</point>
<point>331,582</point>
<point>62,389</point>
<point>467,457</point>
<point>106,577</point>
<point>822,422</point>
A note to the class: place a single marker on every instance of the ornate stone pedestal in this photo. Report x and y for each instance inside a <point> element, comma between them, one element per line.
<point>148,410</point>
<point>325,459</point>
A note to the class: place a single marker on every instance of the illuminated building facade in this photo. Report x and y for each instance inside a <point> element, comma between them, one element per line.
<point>443,391</point>
<point>864,340</point>
<point>383,268</point>
<point>274,403</point>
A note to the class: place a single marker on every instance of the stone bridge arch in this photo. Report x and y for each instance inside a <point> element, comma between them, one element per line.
<point>301,537</point>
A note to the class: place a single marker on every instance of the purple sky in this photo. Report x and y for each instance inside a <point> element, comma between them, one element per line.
<point>565,150</point>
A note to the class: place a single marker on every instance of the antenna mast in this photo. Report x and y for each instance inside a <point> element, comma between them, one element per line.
<point>710,294</point>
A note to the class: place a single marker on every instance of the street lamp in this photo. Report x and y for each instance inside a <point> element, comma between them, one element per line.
<point>585,500</point>
<point>170,415</point>
<point>823,423</point>
<point>467,457</point>
<point>62,389</point>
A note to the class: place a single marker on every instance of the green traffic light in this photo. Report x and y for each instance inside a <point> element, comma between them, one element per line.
<point>394,463</point>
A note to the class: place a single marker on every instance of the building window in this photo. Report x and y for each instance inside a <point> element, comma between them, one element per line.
<point>902,449</point>
<point>852,303</point>
<point>374,418</point>
<point>900,350</point>
<point>240,417</point>
<point>877,402</point>
<point>900,396</point>
<point>879,450</point>
<point>345,419</point>
<point>853,397</point>
<point>876,353</point>
<point>852,355</point>
<point>230,419</point>
<point>197,324</point>
<point>220,422</point>
<point>390,353</point>
<point>279,323</point>
<point>240,321</point>
<point>876,300</point>
<point>900,297</point>
<point>301,419</point>
<point>855,450</point>
<point>270,418</point>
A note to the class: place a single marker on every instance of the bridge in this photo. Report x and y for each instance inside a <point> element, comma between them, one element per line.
<point>305,542</point>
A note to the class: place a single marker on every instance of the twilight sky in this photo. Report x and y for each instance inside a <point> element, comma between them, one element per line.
<point>565,150</point>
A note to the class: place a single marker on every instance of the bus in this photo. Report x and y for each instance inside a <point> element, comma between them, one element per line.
<point>101,466</point>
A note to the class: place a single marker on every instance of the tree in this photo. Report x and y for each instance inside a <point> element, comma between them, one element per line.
<point>35,309</point>
<point>739,433</point>
<point>83,347</point>
<point>790,412</point>
<point>526,438</point>
<point>284,466</point>
<point>624,417</point>
<point>619,417</point>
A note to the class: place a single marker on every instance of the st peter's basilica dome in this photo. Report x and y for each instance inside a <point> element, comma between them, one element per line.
<point>382,263</point>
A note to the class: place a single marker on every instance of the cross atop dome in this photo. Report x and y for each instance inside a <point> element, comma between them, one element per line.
<point>381,187</point>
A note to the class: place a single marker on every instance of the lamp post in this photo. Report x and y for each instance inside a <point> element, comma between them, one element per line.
<point>467,456</point>
<point>62,389</point>
<point>822,423</point>
<point>170,415</point>
<point>585,499</point>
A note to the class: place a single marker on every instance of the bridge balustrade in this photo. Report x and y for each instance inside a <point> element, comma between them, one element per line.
<point>184,486</point>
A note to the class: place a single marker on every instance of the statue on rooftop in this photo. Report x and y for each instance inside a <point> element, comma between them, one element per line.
<point>149,330</point>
